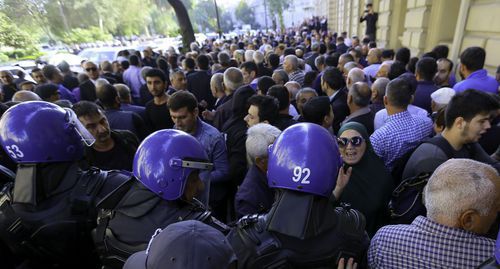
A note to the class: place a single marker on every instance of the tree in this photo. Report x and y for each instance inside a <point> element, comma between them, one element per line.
<point>12,36</point>
<point>185,25</point>
<point>244,13</point>
<point>277,7</point>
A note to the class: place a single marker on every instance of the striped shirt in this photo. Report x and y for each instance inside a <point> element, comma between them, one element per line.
<point>297,76</point>
<point>427,244</point>
<point>401,133</point>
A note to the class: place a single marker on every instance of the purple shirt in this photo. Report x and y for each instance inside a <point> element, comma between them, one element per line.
<point>64,93</point>
<point>423,95</point>
<point>478,80</point>
<point>132,77</point>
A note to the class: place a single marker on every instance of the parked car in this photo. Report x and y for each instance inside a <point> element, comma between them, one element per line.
<point>98,55</point>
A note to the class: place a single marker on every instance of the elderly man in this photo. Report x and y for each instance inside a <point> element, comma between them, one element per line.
<point>373,59</point>
<point>23,96</point>
<point>355,75</point>
<point>441,98</point>
<point>233,79</point>
<point>291,67</point>
<point>462,200</point>
<point>302,97</point>
<point>378,92</point>
<point>358,101</point>
<point>254,195</point>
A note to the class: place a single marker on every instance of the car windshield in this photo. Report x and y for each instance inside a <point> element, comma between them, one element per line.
<point>98,56</point>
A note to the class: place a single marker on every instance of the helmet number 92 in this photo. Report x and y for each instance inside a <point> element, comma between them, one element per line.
<point>14,151</point>
<point>301,174</point>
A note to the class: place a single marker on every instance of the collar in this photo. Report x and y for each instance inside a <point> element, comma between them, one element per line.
<point>199,126</point>
<point>478,74</point>
<point>333,95</point>
<point>400,115</point>
<point>436,228</point>
<point>362,111</point>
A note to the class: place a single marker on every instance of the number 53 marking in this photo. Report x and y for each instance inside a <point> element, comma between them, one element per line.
<point>14,151</point>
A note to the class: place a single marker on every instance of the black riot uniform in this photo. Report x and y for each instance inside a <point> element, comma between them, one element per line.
<point>47,215</point>
<point>300,231</point>
<point>131,214</point>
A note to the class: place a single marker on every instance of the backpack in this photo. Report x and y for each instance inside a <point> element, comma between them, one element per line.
<point>406,199</point>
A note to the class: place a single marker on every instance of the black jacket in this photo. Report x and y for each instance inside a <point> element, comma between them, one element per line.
<point>340,109</point>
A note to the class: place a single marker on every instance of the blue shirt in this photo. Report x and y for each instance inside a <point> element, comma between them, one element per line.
<point>402,133</point>
<point>215,146</point>
<point>132,77</point>
<point>427,244</point>
<point>478,80</point>
<point>64,93</point>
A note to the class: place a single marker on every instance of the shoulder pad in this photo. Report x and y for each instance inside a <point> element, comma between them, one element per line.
<point>351,222</point>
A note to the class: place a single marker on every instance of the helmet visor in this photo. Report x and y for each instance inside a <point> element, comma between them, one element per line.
<point>74,122</point>
<point>191,163</point>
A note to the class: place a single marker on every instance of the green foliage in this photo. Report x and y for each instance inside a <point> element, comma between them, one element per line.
<point>3,58</point>
<point>79,35</point>
<point>244,13</point>
<point>277,7</point>
<point>205,19</point>
<point>11,35</point>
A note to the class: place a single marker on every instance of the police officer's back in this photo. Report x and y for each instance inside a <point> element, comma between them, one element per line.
<point>303,228</point>
<point>48,212</point>
<point>166,166</point>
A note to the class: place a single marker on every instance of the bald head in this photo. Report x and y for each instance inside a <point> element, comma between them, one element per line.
<point>378,89</point>
<point>293,88</point>
<point>233,79</point>
<point>374,56</point>
<point>359,94</point>
<point>459,186</point>
<point>383,70</point>
<point>23,96</point>
<point>355,75</point>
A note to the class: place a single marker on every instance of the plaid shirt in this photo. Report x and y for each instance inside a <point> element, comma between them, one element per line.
<point>427,244</point>
<point>401,133</point>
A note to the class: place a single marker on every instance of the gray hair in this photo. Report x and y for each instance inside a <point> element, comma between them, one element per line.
<point>249,55</point>
<point>293,87</point>
<point>294,61</point>
<point>355,75</point>
<point>217,81</point>
<point>223,57</point>
<point>258,57</point>
<point>350,66</point>
<point>259,137</point>
<point>380,85</point>
<point>360,93</point>
<point>458,185</point>
<point>320,60</point>
<point>176,73</point>
<point>233,78</point>
<point>23,96</point>
<point>305,90</point>
<point>123,91</point>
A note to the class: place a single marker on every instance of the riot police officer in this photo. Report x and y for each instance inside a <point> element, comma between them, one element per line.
<point>48,212</point>
<point>166,165</point>
<point>303,229</point>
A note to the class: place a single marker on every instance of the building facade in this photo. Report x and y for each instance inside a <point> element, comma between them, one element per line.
<point>422,24</point>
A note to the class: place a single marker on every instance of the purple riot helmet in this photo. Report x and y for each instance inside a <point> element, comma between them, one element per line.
<point>42,132</point>
<point>304,158</point>
<point>165,159</point>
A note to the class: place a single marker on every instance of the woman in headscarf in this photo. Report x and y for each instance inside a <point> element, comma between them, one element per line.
<point>370,186</point>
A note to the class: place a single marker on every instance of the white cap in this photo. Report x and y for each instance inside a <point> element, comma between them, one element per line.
<point>443,96</point>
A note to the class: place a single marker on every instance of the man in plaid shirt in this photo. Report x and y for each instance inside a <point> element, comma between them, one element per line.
<point>462,199</point>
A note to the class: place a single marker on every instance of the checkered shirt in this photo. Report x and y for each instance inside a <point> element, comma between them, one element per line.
<point>427,244</point>
<point>297,76</point>
<point>401,133</point>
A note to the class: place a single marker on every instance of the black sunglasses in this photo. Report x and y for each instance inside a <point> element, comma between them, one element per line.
<point>355,141</point>
<point>93,69</point>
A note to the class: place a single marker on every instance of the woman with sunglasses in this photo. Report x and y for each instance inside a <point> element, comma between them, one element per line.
<point>370,185</point>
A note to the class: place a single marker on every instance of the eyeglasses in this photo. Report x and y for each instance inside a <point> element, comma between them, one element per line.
<point>93,69</point>
<point>355,141</point>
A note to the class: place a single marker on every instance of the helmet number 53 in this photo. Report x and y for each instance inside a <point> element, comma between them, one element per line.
<point>14,151</point>
<point>301,174</point>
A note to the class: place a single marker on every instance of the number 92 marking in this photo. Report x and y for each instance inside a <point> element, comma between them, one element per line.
<point>301,175</point>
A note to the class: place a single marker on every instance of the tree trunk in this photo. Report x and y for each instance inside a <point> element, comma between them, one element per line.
<point>185,25</point>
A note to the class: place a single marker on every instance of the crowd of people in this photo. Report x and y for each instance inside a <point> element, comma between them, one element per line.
<point>254,152</point>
